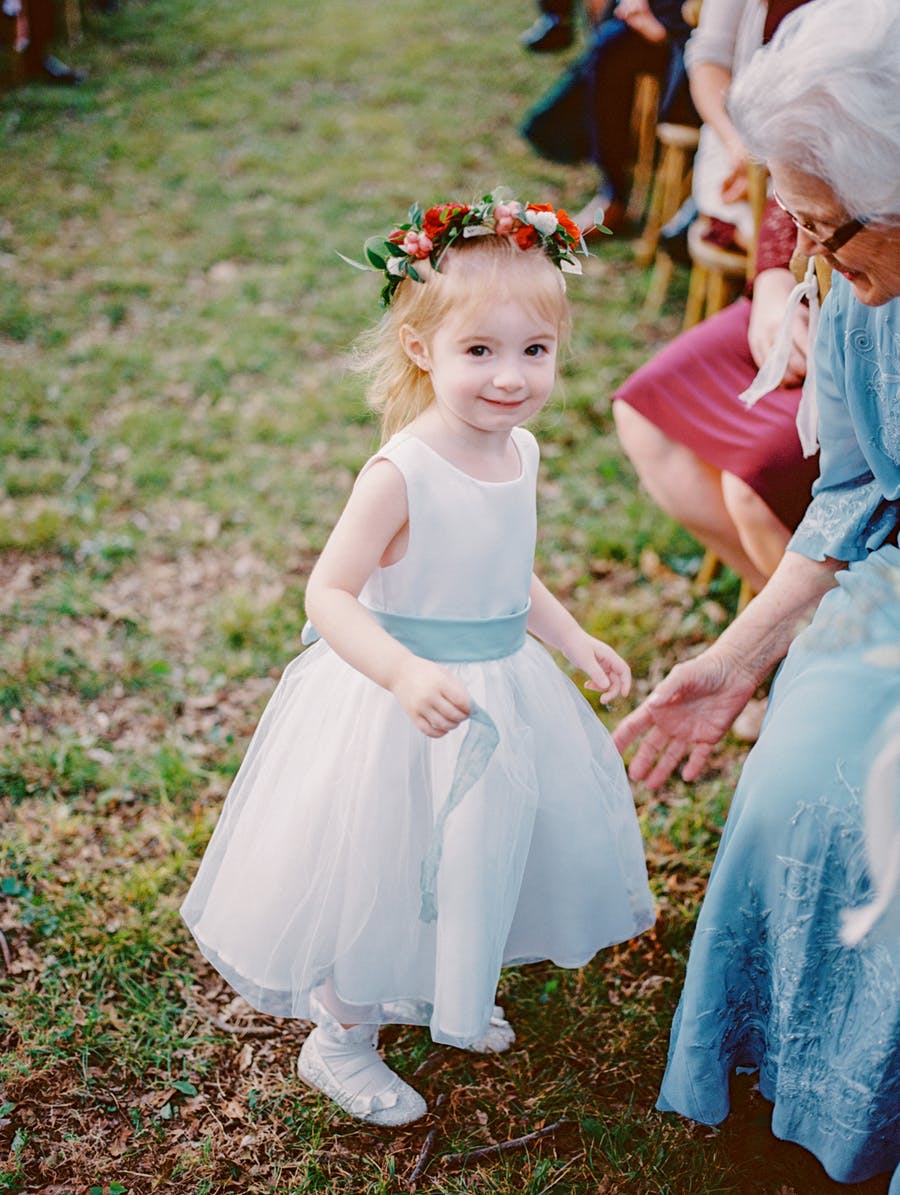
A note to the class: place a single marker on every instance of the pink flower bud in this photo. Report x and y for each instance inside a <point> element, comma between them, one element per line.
<point>417,244</point>
<point>504,218</point>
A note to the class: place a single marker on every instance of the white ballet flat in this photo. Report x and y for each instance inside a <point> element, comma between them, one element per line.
<point>499,1036</point>
<point>346,1066</point>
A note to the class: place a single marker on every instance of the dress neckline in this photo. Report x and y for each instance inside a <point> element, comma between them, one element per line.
<point>468,476</point>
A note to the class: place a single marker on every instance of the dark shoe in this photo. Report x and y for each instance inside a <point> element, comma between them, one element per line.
<point>547,34</point>
<point>54,71</point>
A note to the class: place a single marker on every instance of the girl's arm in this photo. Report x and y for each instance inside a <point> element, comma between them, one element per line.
<point>551,622</point>
<point>373,519</point>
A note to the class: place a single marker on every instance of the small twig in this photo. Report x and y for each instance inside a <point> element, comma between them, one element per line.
<point>427,1147</point>
<point>490,1151</point>
<point>431,1063</point>
<point>4,950</point>
<point>225,1027</point>
<point>84,467</point>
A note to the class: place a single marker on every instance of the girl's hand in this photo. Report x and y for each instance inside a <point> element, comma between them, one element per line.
<point>434,699</point>
<point>609,675</point>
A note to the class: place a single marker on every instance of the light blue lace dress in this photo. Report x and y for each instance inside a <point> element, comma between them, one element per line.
<point>770,986</point>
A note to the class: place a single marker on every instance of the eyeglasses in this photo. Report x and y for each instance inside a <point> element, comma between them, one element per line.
<point>830,244</point>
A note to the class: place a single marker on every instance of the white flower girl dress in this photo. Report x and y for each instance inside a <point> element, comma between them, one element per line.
<point>339,865</point>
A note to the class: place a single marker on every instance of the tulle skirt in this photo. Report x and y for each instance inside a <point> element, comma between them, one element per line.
<point>310,889</point>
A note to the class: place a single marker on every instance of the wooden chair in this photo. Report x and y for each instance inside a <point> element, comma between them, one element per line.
<point>671,187</point>
<point>703,578</point>
<point>72,14</point>
<point>718,275</point>
<point>643,127</point>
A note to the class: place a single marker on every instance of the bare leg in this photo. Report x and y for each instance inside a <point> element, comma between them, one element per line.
<point>686,488</point>
<point>762,534</point>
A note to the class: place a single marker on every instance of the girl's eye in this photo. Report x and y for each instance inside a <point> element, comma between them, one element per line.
<point>479,350</point>
<point>535,350</point>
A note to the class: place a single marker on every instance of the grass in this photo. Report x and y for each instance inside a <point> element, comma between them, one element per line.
<point>178,434</point>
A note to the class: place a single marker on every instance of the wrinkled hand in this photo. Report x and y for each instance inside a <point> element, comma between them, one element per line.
<point>684,716</point>
<point>433,698</point>
<point>608,673</point>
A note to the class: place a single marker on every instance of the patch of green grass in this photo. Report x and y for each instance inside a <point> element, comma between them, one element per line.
<point>178,432</point>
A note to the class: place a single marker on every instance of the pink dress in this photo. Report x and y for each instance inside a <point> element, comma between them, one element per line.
<point>690,391</point>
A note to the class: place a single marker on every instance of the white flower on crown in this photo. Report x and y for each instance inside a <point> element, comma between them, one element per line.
<point>544,222</point>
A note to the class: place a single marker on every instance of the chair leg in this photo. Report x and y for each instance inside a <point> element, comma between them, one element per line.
<point>663,268</point>
<point>697,298</point>
<point>709,566</point>
<point>646,101</point>
<point>717,291</point>
<point>670,189</point>
<point>646,245</point>
<point>745,596</point>
<point>72,11</point>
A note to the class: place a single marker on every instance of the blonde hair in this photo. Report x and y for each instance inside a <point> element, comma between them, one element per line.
<point>475,271</point>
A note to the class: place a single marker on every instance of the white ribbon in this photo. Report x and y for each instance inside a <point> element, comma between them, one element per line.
<point>773,368</point>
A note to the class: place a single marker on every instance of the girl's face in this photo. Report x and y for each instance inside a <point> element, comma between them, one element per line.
<point>491,368</point>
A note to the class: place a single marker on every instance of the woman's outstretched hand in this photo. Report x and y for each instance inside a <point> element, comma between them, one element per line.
<point>434,699</point>
<point>684,717</point>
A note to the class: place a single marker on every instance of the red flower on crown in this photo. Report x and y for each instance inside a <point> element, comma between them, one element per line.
<point>569,225</point>
<point>438,219</point>
<point>526,236</point>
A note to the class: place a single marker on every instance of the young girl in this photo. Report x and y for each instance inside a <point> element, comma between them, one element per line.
<point>428,798</point>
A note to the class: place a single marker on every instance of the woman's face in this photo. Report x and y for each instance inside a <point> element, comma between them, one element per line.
<point>870,260</point>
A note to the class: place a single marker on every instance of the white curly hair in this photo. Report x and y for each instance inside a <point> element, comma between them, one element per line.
<point>822,97</point>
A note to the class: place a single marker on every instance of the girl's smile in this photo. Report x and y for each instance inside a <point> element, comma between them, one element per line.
<point>492,368</point>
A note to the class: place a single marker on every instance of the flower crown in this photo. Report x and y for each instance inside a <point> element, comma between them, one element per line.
<point>429,234</point>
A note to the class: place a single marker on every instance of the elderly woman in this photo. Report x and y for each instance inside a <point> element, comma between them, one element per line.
<point>770,984</point>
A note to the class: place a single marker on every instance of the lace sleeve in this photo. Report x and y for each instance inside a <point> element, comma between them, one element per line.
<point>846,522</point>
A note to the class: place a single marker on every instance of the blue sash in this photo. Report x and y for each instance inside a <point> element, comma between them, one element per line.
<point>454,640</point>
